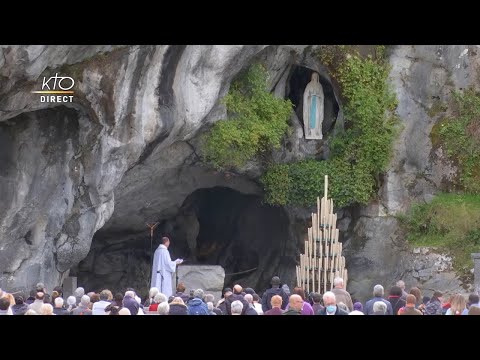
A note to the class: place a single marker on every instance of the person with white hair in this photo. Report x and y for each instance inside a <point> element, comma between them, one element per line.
<point>31,312</point>
<point>124,311</point>
<point>331,308</point>
<point>236,307</point>
<point>79,292</point>
<point>59,308</point>
<point>98,307</point>
<point>82,308</point>
<point>151,296</point>
<point>378,293</point>
<point>196,306</point>
<point>251,309</point>
<point>341,294</point>
<point>379,308</point>
<point>211,298</point>
<point>46,309</point>
<point>157,300</point>
<point>130,303</point>
<point>163,308</point>
<point>72,304</point>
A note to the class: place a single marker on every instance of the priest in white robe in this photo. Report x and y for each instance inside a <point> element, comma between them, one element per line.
<point>163,268</point>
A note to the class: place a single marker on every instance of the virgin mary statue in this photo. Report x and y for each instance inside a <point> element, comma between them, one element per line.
<point>313,108</point>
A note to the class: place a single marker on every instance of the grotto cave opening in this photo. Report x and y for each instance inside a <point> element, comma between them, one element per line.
<point>214,226</point>
<point>300,76</point>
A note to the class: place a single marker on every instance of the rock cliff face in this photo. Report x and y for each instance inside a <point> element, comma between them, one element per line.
<point>125,152</point>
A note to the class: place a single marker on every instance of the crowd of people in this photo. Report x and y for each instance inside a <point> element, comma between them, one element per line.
<point>277,300</point>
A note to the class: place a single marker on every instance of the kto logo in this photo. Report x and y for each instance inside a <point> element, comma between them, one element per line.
<point>60,85</point>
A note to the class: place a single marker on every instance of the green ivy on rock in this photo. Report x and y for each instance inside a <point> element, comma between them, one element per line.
<point>257,122</point>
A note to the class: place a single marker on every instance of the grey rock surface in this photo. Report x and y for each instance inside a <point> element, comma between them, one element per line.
<point>209,278</point>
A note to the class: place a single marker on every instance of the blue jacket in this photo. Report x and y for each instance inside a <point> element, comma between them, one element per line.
<point>197,307</point>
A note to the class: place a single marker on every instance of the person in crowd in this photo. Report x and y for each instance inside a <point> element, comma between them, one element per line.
<point>474,310</point>
<point>306,307</point>
<point>330,303</point>
<point>181,292</point>
<point>257,305</point>
<point>59,309</point>
<point>249,291</point>
<point>83,307</point>
<point>31,298</point>
<point>46,309</point>
<point>237,295</point>
<point>446,305</point>
<point>55,294</point>
<point>221,303</point>
<point>378,293</point>
<point>395,298</point>
<point>112,309</point>
<point>434,306</point>
<point>37,304</point>
<point>59,291</point>
<point>210,308</point>
<point>251,309</point>
<point>40,287</point>
<point>11,299</point>
<point>317,303</point>
<point>401,285</point>
<point>196,306</point>
<point>79,292</point>
<point>163,308</point>
<point>473,300</point>
<point>458,306</point>
<point>211,298</point>
<point>379,308</point>
<point>130,303</point>
<point>178,307</point>
<point>31,312</point>
<point>276,304</point>
<point>71,304</point>
<point>4,306</point>
<point>98,307</point>
<point>357,309</point>
<point>118,300</point>
<point>409,308</point>
<point>151,295</point>
<point>20,308</point>
<point>418,295</point>
<point>125,311</point>
<point>94,299</point>
<point>236,307</point>
<point>274,290</point>
<point>295,304</point>
<point>341,294</point>
<point>158,299</point>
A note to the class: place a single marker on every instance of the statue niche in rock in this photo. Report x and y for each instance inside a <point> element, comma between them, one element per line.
<point>313,107</point>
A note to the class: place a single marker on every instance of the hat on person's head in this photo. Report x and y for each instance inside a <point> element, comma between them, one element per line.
<point>275,280</point>
<point>227,289</point>
<point>249,291</point>
<point>358,306</point>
